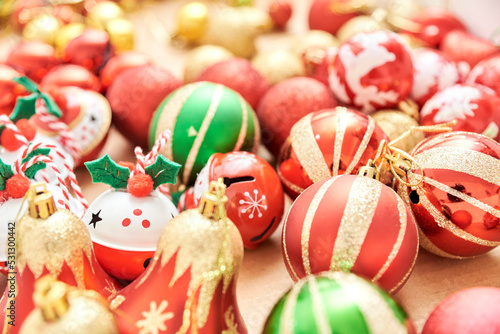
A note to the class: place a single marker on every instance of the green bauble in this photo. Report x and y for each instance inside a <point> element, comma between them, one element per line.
<point>204,118</point>
<point>339,303</point>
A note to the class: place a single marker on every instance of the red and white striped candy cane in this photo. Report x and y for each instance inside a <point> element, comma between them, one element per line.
<point>5,121</point>
<point>159,143</point>
<point>140,166</point>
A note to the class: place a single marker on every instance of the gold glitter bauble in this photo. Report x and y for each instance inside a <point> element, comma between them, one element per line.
<point>121,34</point>
<point>394,123</point>
<point>201,57</point>
<point>66,34</point>
<point>42,28</point>
<point>192,21</point>
<point>278,65</point>
<point>313,38</point>
<point>362,23</point>
<point>104,12</point>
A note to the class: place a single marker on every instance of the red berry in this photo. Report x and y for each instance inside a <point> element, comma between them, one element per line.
<point>9,141</point>
<point>17,186</point>
<point>26,128</point>
<point>140,185</point>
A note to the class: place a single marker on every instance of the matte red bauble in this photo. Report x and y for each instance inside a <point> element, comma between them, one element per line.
<point>327,143</point>
<point>487,73</point>
<point>372,71</point>
<point>119,63</point>
<point>351,223</point>
<point>71,75</point>
<point>324,16</point>
<point>456,203</point>
<point>462,46</point>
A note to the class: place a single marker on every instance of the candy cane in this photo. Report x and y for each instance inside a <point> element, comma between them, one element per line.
<point>5,121</point>
<point>159,143</point>
<point>140,166</point>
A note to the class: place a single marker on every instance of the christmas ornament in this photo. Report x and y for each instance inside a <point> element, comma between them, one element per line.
<point>192,20</point>
<point>487,73</point>
<point>359,24</point>
<point>318,62</point>
<point>23,11</point>
<point>372,71</point>
<point>71,75</point>
<point>121,34</point>
<point>9,89</point>
<point>280,12</point>
<point>394,123</point>
<point>102,13</point>
<point>313,38</point>
<point>475,107</point>
<point>33,59</point>
<point>119,63</point>
<point>330,15</point>
<point>462,46</point>
<point>50,241</point>
<point>286,103</point>
<point>133,105</point>
<point>278,65</point>
<point>433,72</point>
<point>66,310</point>
<point>467,311</point>
<point>204,118</point>
<point>256,200</point>
<point>239,75</point>
<point>337,303</point>
<point>125,222</point>
<point>201,57</point>
<point>66,34</point>
<point>190,285</point>
<point>42,28</point>
<point>453,194</point>
<point>324,144</point>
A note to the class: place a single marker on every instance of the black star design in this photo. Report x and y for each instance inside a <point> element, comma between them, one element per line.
<point>95,218</point>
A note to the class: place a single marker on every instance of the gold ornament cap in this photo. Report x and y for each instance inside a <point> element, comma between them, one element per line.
<point>51,297</point>
<point>210,203</point>
<point>40,201</point>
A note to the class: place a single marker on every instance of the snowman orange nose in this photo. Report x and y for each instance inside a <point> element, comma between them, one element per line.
<point>140,185</point>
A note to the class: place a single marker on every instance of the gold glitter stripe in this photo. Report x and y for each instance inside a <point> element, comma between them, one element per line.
<point>356,219</point>
<point>399,239</point>
<point>403,280</point>
<point>362,147</point>
<point>379,317</point>
<point>216,98</point>
<point>306,227</point>
<point>256,137</point>
<point>318,309</point>
<point>289,184</point>
<point>244,125</point>
<point>342,118</point>
<point>285,248</point>
<point>287,319</point>
<point>471,200</point>
<point>307,150</point>
<point>461,160</point>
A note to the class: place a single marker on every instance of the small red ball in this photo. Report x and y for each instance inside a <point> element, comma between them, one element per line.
<point>8,140</point>
<point>26,128</point>
<point>17,186</point>
<point>280,12</point>
<point>140,185</point>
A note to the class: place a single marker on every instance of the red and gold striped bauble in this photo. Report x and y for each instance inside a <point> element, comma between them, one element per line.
<point>457,203</point>
<point>327,143</point>
<point>351,223</point>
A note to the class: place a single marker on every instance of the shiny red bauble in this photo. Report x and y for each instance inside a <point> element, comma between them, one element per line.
<point>372,71</point>
<point>476,108</point>
<point>351,223</point>
<point>318,62</point>
<point>134,96</point>
<point>119,63</point>
<point>9,90</point>
<point>487,73</point>
<point>327,143</point>
<point>330,15</point>
<point>469,311</point>
<point>287,102</point>
<point>280,12</point>
<point>71,75</point>
<point>456,201</point>
<point>462,46</point>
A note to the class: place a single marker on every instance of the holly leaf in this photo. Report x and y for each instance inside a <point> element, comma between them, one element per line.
<point>163,171</point>
<point>51,106</point>
<point>24,108</point>
<point>33,169</point>
<point>27,83</point>
<point>105,170</point>
<point>5,173</point>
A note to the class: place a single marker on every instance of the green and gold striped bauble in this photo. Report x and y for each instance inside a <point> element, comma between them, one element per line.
<point>204,118</point>
<point>337,303</point>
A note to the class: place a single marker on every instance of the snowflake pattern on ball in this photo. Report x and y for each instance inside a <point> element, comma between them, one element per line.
<point>254,204</point>
<point>455,102</point>
<point>154,319</point>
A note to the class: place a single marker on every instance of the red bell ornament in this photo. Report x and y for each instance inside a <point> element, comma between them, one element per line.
<point>454,196</point>
<point>487,73</point>
<point>190,285</point>
<point>474,107</point>
<point>372,71</point>
<point>71,75</point>
<point>351,223</point>
<point>256,200</point>
<point>327,143</point>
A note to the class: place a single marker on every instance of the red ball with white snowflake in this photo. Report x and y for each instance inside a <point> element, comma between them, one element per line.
<point>433,72</point>
<point>487,73</point>
<point>372,71</point>
<point>474,107</point>
<point>256,200</point>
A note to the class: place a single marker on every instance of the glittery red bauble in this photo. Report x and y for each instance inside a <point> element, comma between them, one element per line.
<point>324,16</point>
<point>456,204</point>
<point>280,12</point>
<point>119,63</point>
<point>32,58</point>
<point>134,96</point>
<point>9,90</point>
<point>469,311</point>
<point>372,71</point>
<point>318,62</point>
<point>351,223</point>
<point>325,143</point>
<point>462,46</point>
<point>71,75</point>
<point>239,75</point>
<point>487,73</point>
<point>91,50</point>
<point>435,23</point>
<point>287,102</point>
<point>476,108</point>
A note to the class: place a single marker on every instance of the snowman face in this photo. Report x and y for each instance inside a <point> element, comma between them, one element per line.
<point>118,220</point>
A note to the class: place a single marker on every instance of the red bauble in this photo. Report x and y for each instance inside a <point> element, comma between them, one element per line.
<point>71,75</point>
<point>469,311</point>
<point>325,143</point>
<point>33,58</point>
<point>324,16</point>
<point>462,46</point>
<point>487,73</point>
<point>435,23</point>
<point>318,62</point>
<point>372,71</point>
<point>9,90</point>
<point>351,223</point>
<point>280,12</point>
<point>134,96</point>
<point>476,108</point>
<point>286,103</point>
<point>456,204</point>
<point>120,63</point>
<point>433,72</point>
